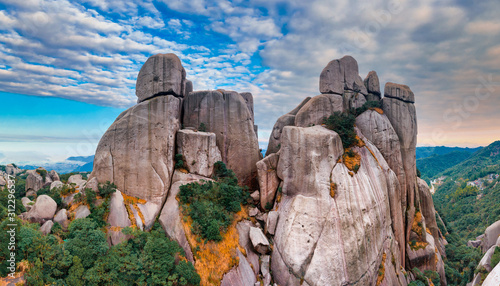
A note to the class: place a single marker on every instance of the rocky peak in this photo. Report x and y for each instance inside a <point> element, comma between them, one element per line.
<point>399,91</point>
<point>341,74</point>
<point>162,74</point>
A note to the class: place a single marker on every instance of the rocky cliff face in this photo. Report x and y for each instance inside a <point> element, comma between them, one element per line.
<point>323,215</point>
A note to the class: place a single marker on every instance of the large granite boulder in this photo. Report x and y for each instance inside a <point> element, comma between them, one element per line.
<point>401,113</point>
<point>46,227</point>
<point>137,152</point>
<point>162,74</point>
<point>61,217</point>
<point>226,114</point>
<point>317,109</point>
<point>43,209</point>
<point>268,179</point>
<point>77,181</point>
<point>54,176</point>
<point>341,74</point>
<point>493,279</point>
<point>334,225</point>
<point>11,170</point>
<point>34,181</point>
<point>285,120</point>
<point>248,97</point>
<point>199,150</point>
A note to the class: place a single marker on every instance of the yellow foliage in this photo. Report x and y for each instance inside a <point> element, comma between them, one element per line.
<point>214,259</point>
<point>428,231</point>
<point>377,109</point>
<point>361,143</point>
<point>351,162</point>
<point>417,228</point>
<point>183,170</point>
<point>351,173</point>
<point>131,202</point>
<point>333,188</point>
<point>381,270</point>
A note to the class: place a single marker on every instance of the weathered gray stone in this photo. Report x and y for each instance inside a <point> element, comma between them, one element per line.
<point>46,227</point>
<point>34,181</point>
<point>2,181</point>
<point>82,212</point>
<point>200,151</point>
<point>226,114</point>
<point>189,87</point>
<point>61,217</point>
<point>248,97</point>
<point>490,236</point>
<point>285,120</point>
<point>170,217</point>
<point>162,74</point>
<point>242,275</point>
<point>253,211</point>
<point>372,83</point>
<point>93,185</point>
<point>137,152</point>
<point>340,75</point>
<point>243,228</point>
<point>77,181</point>
<point>353,100</point>
<point>268,179</point>
<point>26,203</point>
<point>403,118</point>
<point>399,91</point>
<point>493,279</point>
<point>54,176</point>
<point>56,184</point>
<point>259,240</point>
<point>255,196</point>
<point>271,222</point>
<point>264,265</point>
<point>11,170</point>
<point>43,209</point>
<point>317,109</point>
<point>117,218</point>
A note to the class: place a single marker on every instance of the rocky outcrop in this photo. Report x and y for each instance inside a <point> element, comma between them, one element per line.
<point>82,212</point>
<point>117,218</point>
<point>493,279</point>
<point>11,170</point>
<point>61,217</point>
<point>259,240</point>
<point>398,106</point>
<point>226,114</point>
<point>77,181</point>
<point>199,150</point>
<point>54,176</point>
<point>248,97</point>
<point>46,227</point>
<point>43,209</point>
<point>340,75</point>
<point>137,151</point>
<point>428,211</point>
<point>162,74</point>
<point>56,184</point>
<point>268,179</point>
<point>285,120</point>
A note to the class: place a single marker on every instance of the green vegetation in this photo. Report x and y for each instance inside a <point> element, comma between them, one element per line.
<point>42,173</point>
<point>202,127</point>
<point>64,177</point>
<point>423,278</point>
<point>467,211</point>
<point>430,167</point>
<point>424,152</point>
<point>367,105</point>
<point>81,255</point>
<point>212,205</point>
<point>343,124</point>
<point>179,161</point>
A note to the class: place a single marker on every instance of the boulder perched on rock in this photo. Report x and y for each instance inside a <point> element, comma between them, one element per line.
<point>226,114</point>
<point>340,75</point>
<point>54,176</point>
<point>162,74</point>
<point>399,91</point>
<point>372,85</point>
<point>199,150</point>
<point>78,181</point>
<point>43,209</point>
<point>56,184</point>
<point>268,179</point>
<point>137,151</point>
<point>285,120</point>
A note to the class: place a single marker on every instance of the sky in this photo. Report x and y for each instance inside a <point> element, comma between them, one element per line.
<point>68,68</point>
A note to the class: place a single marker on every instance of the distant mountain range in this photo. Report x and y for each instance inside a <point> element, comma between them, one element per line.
<point>424,152</point>
<point>71,164</point>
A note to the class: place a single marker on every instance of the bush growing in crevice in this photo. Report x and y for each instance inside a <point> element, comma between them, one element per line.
<point>343,124</point>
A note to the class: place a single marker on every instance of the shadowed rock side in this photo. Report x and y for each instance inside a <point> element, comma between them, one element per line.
<point>137,151</point>
<point>226,114</point>
<point>320,238</point>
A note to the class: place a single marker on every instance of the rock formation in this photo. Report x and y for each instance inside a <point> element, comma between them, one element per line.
<point>319,218</point>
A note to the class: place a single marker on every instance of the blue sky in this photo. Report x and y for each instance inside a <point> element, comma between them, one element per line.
<point>68,68</point>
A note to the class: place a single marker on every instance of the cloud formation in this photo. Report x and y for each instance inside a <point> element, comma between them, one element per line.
<point>92,50</point>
